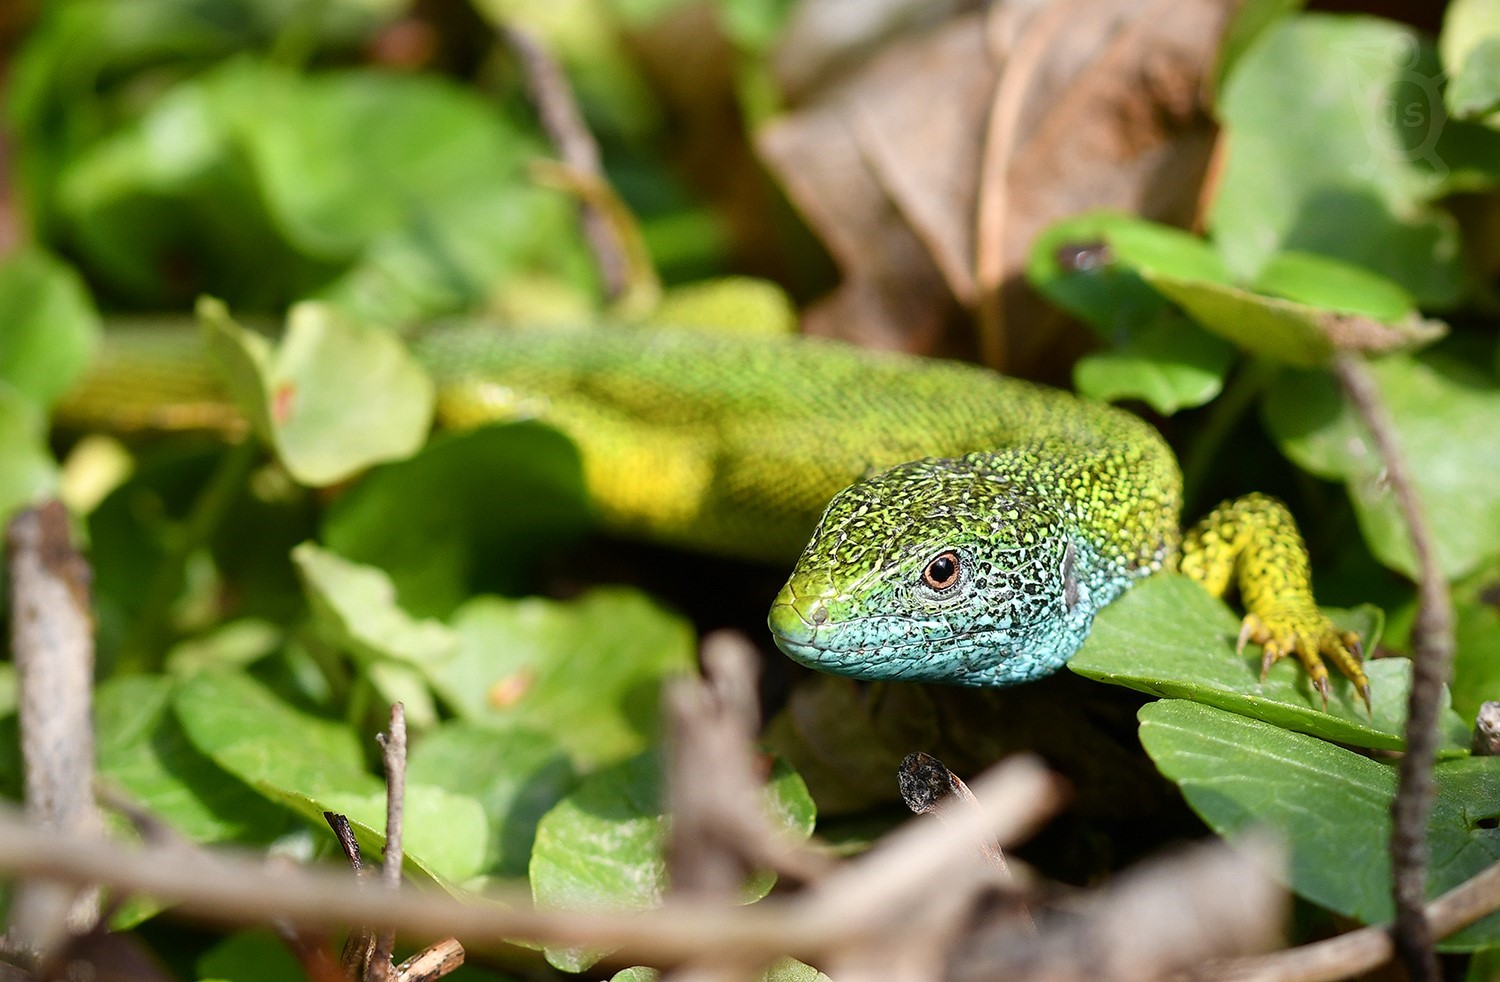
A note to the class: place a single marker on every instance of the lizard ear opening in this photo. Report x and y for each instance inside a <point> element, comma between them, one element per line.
<point>1069,577</point>
<point>941,571</point>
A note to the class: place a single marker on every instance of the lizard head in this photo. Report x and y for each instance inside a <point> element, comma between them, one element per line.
<point>936,571</point>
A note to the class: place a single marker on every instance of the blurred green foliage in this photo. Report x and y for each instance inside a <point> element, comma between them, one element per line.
<point>357,168</point>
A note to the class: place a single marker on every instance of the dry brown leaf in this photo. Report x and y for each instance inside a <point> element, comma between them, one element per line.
<point>929,170</point>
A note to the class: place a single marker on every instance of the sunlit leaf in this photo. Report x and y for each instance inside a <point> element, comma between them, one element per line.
<point>1168,637</point>
<point>1331,805</point>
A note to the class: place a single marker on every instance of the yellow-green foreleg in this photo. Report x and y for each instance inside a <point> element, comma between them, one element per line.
<point>1253,543</point>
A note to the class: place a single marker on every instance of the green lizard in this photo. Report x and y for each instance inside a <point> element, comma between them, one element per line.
<point>977,523</point>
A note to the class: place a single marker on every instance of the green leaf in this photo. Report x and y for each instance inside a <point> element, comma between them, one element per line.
<point>1171,365</point>
<point>1475,91</point>
<point>516,774</point>
<point>601,847</point>
<point>1320,281</point>
<point>50,326</point>
<point>1476,662</point>
<point>354,609</point>
<point>332,399</point>
<point>1445,415</point>
<point>313,765</point>
<point>250,956</point>
<point>1471,57</point>
<point>143,749</point>
<point>1316,165</point>
<point>1331,805</point>
<point>523,663</point>
<point>1071,264</point>
<point>1168,637</point>
<point>471,511</point>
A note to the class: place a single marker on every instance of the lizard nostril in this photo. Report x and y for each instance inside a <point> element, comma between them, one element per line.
<point>820,615</point>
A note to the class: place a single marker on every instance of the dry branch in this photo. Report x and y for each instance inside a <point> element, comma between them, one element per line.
<point>52,645</point>
<point>1432,659</point>
<point>558,113</point>
<point>855,902</point>
<point>720,830</point>
<point>1352,954</point>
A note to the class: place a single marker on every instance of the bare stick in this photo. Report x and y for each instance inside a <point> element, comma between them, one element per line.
<point>1432,659</point>
<point>563,123</point>
<point>359,947</point>
<point>1361,951</point>
<point>393,750</point>
<point>720,831</point>
<point>432,962</point>
<point>1151,922</point>
<point>52,644</point>
<point>856,901</point>
<point>1020,59</point>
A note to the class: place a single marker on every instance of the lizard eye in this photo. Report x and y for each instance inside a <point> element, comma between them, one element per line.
<point>942,572</point>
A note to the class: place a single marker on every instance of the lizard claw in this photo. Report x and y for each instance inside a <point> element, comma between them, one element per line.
<point>1311,637</point>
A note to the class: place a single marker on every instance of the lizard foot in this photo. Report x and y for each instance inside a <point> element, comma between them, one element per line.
<point>1311,637</point>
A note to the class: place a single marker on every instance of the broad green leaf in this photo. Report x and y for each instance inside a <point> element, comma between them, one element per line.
<point>28,471</point>
<point>1334,129</point>
<point>1161,250</point>
<point>601,847</point>
<point>1288,331</point>
<point>50,326</point>
<point>1445,415</point>
<point>586,672</point>
<point>235,644</point>
<point>515,774</point>
<point>471,512</point>
<point>1331,284</point>
<point>1476,661</point>
<point>354,608</point>
<point>1171,365</point>
<point>143,749</point>
<point>314,765</point>
<point>1331,805</point>
<point>333,398</point>
<point>1471,57</point>
<point>1072,264</point>
<point>1475,91</point>
<point>1168,637</point>
<point>257,955</point>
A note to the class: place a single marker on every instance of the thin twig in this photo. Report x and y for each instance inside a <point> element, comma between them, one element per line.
<point>1020,59</point>
<point>1151,922</point>
<point>1432,658</point>
<point>1368,948</point>
<point>432,962</point>
<point>855,902</point>
<point>558,112</point>
<point>359,947</point>
<point>393,751</point>
<point>720,830</point>
<point>52,645</point>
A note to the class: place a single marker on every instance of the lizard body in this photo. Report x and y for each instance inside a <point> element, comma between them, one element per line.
<point>976,523</point>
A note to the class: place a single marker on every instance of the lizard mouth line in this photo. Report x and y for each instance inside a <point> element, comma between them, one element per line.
<point>803,649</point>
